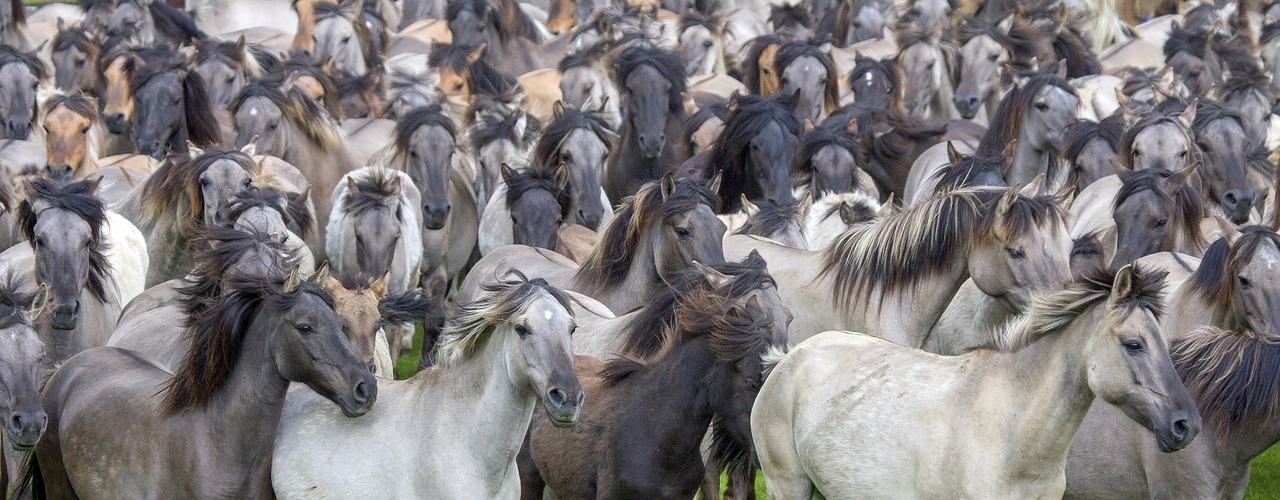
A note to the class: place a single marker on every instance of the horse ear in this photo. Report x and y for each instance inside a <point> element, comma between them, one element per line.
<point>508,173</point>
<point>475,54</point>
<point>953,155</point>
<point>352,188</point>
<point>1006,201</point>
<point>379,287</point>
<point>1005,24</point>
<point>853,127</point>
<point>1007,154</point>
<point>808,126</point>
<point>886,208</point>
<point>1122,285</point>
<point>753,306</point>
<point>667,185</point>
<point>40,48</point>
<point>714,185</point>
<point>1229,230</point>
<point>62,25</point>
<point>1034,187</point>
<point>557,109</point>
<point>1061,70</point>
<point>1268,19</point>
<point>251,148</point>
<point>93,185</point>
<point>749,208</point>
<point>561,176</point>
<point>1121,171</point>
<point>1180,177</point>
<point>604,105</point>
<point>295,278</point>
<point>40,303</point>
<point>193,150</point>
<point>302,197</point>
<point>321,276</point>
<point>1189,115</point>
<point>395,184</point>
<point>240,43</point>
<point>716,278</point>
<point>690,106</point>
<point>350,9</point>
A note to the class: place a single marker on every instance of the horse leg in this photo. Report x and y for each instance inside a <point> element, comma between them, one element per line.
<point>435,284</point>
<point>531,483</point>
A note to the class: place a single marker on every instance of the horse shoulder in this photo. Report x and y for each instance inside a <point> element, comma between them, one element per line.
<point>1091,210</point>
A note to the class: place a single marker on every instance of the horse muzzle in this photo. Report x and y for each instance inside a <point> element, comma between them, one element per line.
<point>361,398</point>
<point>967,105</point>
<point>17,128</point>
<point>115,122</point>
<point>1179,433</point>
<point>25,428</point>
<point>65,316</point>
<point>563,407</point>
<point>59,173</point>
<point>434,217</point>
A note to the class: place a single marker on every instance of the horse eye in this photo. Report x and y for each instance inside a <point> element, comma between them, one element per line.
<point>271,127</point>
<point>521,330</point>
<point>305,329</point>
<point>413,154</point>
<point>766,72</point>
<point>346,40</point>
<point>1244,282</point>
<point>993,57</point>
<point>1162,222</point>
<point>82,131</point>
<point>1042,106</point>
<point>514,221</point>
<point>707,44</point>
<point>231,79</point>
<point>38,242</point>
<point>930,66</point>
<point>248,182</point>
<point>1135,154</point>
<point>1014,253</point>
<point>1133,346</point>
<point>35,86</point>
<point>1182,154</point>
<point>204,182</point>
<point>457,87</point>
<point>559,221</point>
<point>79,64</point>
<point>683,233</point>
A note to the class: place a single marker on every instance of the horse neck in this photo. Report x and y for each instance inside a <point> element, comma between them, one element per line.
<point>242,416</point>
<point>1187,312</point>
<point>1028,160</point>
<point>484,390</point>
<point>686,409</point>
<point>906,316</point>
<point>1050,377</point>
<point>642,281</point>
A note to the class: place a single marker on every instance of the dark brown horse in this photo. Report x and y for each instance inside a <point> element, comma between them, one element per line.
<point>217,414</point>
<point>172,107</point>
<point>651,81</point>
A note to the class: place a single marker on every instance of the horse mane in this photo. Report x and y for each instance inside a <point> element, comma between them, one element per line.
<point>222,248</point>
<point>553,135</point>
<point>962,175</point>
<point>416,118</point>
<point>491,128</point>
<point>909,35</point>
<point>6,196</point>
<point>173,23</point>
<point>1209,111</point>
<point>1245,80</point>
<point>77,103</point>
<point>773,217</point>
<point>293,211</point>
<point>81,199</point>
<point>313,121</point>
<point>201,124</point>
<point>1185,199</point>
<point>484,78</point>
<point>1269,33</point>
<point>783,14</point>
<point>373,189</point>
<point>585,57</point>
<point>1166,112</point>
<point>330,10</point>
<point>409,307</point>
<point>539,176</point>
<point>1006,125</point>
<point>886,135</point>
<point>666,62</point>
<point>179,176</point>
<point>1082,132</point>
<point>1050,312</point>
<point>232,54</point>
<point>607,264</point>
<point>1183,39</point>
<point>513,21</point>
<point>791,51</point>
<point>971,27</point>
<point>1231,376</point>
<point>10,55</point>
<point>496,305</point>
<point>695,121</point>
<point>751,65</point>
<point>1215,280</point>
<point>77,38</point>
<point>902,250</point>
<point>303,63</point>
<point>400,81</point>
<point>713,22</point>
<point>748,116</point>
<point>1073,50</point>
<point>818,139</point>
<point>13,302</point>
<point>891,70</point>
<point>217,332</point>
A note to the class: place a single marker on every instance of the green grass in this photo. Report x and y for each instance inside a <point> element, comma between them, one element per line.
<point>1264,484</point>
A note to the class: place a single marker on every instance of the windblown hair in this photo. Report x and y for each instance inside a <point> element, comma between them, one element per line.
<point>539,176</point>
<point>81,199</point>
<point>11,55</point>
<point>1209,111</point>
<point>817,140</point>
<point>1215,280</point>
<point>409,307</point>
<point>502,126</point>
<point>774,217</point>
<point>217,331</point>
<point>369,49</point>
<point>751,65</point>
<point>665,62</point>
<point>1006,125</point>
<point>293,210</point>
<point>1051,312</point>
<point>1166,112</point>
<point>13,302</point>
<point>499,302</point>
<point>1193,42</point>
<point>378,187</point>
<point>790,15</point>
<point>1183,200</point>
<point>180,177</point>
<point>589,56</point>
<point>317,125</point>
<point>422,116</point>
<point>222,249</point>
<point>302,62</point>
<point>484,78</point>
<point>547,150</point>
<point>77,38</point>
<point>201,125</point>
<point>607,264</point>
<point>250,61</point>
<point>900,251</point>
<point>789,52</point>
<point>1080,134</point>
<point>966,173</point>
<point>77,103</point>
<point>749,116</point>
<point>1234,377</point>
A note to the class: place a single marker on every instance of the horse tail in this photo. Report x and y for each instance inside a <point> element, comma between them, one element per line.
<point>772,356</point>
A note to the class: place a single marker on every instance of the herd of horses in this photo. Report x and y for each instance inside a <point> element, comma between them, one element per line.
<point>863,248</point>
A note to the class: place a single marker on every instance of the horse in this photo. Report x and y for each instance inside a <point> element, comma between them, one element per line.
<point>783,223</point>
<point>582,140</point>
<point>171,107</point>
<point>879,84</point>
<point>66,250</point>
<point>891,141</point>
<point>985,50</point>
<point>758,72</point>
<point>425,148</point>
<point>928,68</point>
<point>343,37</point>
<point>530,206</point>
<point>514,341</point>
<point>22,372</point>
<point>73,137</point>
<point>964,168</point>
<point>20,74</point>
<point>661,230</point>
<point>702,128</point>
<point>1097,339</point>
<point>805,68</point>
<point>1220,135</point>
<point>246,346</point>
<point>151,24</point>
<point>1254,95</point>
<point>1140,213</point>
<point>284,217</point>
<point>313,78</point>
<point>1161,139</point>
<point>794,21</point>
<point>755,152</point>
<point>713,340</point>
<point>462,74</point>
<point>292,127</point>
<point>1192,58</point>
<point>226,67</point>
<point>1089,148</point>
<point>514,42</point>
<point>1223,363</point>
<point>833,214</point>
<point>828,161</point>
<point>73,54</point>
<point>702,48</point>
<point>912,263</point>
<point>181,197</point>
<point>651,81</point>
<point>362,300</point>
<point>501,134</point>
<point>586,83</point>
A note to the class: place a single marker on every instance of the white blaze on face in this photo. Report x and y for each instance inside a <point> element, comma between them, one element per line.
<point>547,314</point>
<point>253,111</point>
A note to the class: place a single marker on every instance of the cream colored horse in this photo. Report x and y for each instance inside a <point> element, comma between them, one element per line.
<point>851,416</point>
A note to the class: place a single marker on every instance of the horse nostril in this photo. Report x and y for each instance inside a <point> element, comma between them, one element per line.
<point>1180,429</point>
<point>360,392</point>
<point>373,368</point>
<point>556,396</point>
<point>973,102</point>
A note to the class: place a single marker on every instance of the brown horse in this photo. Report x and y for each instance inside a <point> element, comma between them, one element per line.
<point>219,409</point>
<point>73,137</point>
